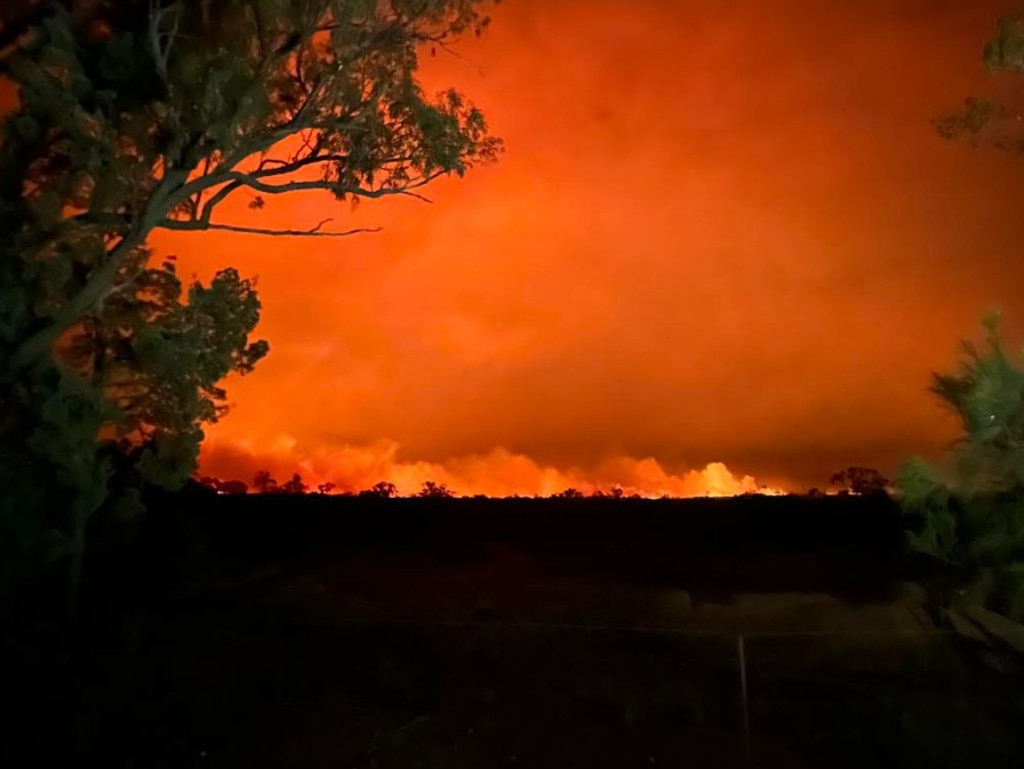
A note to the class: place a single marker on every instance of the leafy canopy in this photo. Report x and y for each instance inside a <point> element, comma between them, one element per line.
<point>134,115</point>
<point>150,113</point>
<point>971,515</point>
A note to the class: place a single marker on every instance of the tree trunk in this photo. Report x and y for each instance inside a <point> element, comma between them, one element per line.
<point>99,282</point>
<point>41,342</point>
<point>75,568</point>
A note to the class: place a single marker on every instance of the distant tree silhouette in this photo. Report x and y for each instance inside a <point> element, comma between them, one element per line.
<point>860,480</point>
<point>617,492</point>
<point>224,487</point>
<point>233,487</point>
<point>815,493</point>
<point>325,488</point>
<point>383,490</point>
<point>294,486</point>
<point>264,482</point>
<point>435,491</point>
<point>569,493</point>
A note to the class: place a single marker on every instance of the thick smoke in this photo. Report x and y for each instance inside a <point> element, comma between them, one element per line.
<point>497,473</point>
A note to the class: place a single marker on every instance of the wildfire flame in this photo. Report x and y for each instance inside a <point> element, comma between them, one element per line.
<point>496,473</point>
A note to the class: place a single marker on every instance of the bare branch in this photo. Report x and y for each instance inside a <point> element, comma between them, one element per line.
<point>204,214</point>
<point>411,194</point>
<point>162,42</point>
<point>235,180</point>
<point>283,167</point>
<point>173,224</point>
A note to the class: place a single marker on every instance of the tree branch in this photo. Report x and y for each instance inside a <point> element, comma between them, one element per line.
<point>235,180</point>
<point>175,224</point>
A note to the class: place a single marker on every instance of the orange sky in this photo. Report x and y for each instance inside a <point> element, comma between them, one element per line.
<point>723,232</point>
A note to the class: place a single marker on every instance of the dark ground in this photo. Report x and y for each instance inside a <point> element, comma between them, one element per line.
<point>322,632</point>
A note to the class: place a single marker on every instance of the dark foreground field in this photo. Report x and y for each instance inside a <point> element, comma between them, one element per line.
<point>321,632</point>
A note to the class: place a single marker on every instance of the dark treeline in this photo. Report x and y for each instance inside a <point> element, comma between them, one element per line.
<point>852,547</point>
<point>852,480</point>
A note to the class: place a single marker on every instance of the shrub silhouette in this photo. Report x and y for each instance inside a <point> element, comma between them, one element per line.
<point>264,482</point>
<point>433,490</point>
<point>569,493</point>
<point>860,480</point>
<point>295,486</point>
<point>383,490</point>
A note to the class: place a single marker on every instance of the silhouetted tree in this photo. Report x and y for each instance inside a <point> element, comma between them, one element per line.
<point>815,493</point>
<point>434,491</point>
<point>264,482</point>
<point>971,516</point>
<point>860,480</point>
<point>145,114</point>
<point>294,486</point>
<point>122,403</point>
<point>223,487</point>
<point>233,487</point>
<point>157,356</point>
<point>569,493</point>
<point>325,488</point>
<point>172,111</point>
<point>382,490</point>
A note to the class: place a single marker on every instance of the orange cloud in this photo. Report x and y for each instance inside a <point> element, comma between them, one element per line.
<point>721,233</point>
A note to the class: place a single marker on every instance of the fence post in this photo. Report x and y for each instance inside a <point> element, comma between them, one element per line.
<point>743,694</point>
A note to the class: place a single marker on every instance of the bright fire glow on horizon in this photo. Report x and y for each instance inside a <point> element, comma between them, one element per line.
<point>495,474</point>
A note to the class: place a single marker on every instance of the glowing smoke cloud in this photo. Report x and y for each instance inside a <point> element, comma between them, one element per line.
<point>498,473</point>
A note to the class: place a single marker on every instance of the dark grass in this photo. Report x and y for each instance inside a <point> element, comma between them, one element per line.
<point>227,637</point>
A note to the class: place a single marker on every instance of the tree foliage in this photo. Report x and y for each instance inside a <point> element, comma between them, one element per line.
<point>971,514</point>
<point>991,121</point>
<point>295,485</point>
<point>860,480</point>
<point>569,493</point>
<point>143,114</point>
<point>159,359</point>
<point>264,482</point>
<point>120,405</point>
<point>381,490</point>
<point>433,490</point>
<point>134,115</point>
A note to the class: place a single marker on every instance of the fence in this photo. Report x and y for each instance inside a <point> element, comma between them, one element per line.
<point>768,696</point>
